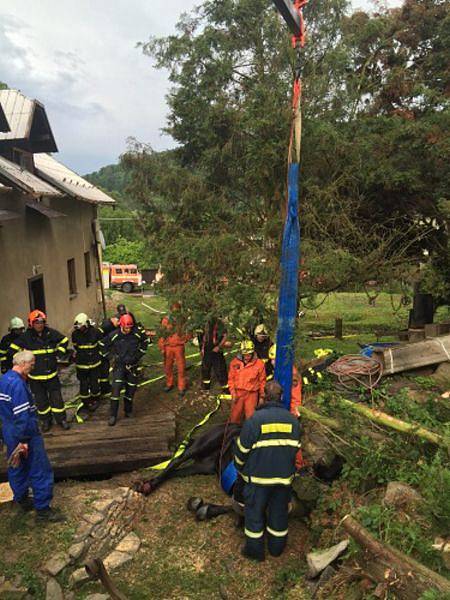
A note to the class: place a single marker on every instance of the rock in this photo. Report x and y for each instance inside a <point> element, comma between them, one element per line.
<point>401,495</point>
<point>130,544</point>
<point>443,545</point>
<point>94,518</point>
<point>318,561</point>
<point>53,590</point>
<point>83,532</point>
<point>76,550</point>
<point>442,375</point>
<point>98,597</point>
<point>325,576</point>
<point>56,564</point>
<point>116,559</point>
<point>78,577</point>
<point>103,506</point>
<point>12,592</point>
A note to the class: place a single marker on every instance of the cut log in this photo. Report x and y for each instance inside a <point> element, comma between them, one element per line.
<point>313,416</point>
<point>384,419</point>
<point>412,356</point>
<point>409,578</point>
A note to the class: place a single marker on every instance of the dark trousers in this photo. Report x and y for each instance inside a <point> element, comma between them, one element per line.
<point>105,386</point>
<point>49,402</point>
<point>89,385</point>
<point>266,515</point>
<point>214,362</point>
<point>127,379</point>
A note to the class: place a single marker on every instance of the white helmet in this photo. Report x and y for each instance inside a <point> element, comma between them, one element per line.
<point>81,320</point>
<point>16,323</point>
<point>261,330</point>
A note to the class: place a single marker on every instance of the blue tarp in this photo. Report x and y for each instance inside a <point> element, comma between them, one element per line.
<point>287,301</point>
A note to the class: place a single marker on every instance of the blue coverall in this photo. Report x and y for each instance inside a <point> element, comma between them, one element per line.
<point>20,424</point>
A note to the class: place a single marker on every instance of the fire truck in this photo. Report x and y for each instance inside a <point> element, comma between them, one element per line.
<point>123,277</point>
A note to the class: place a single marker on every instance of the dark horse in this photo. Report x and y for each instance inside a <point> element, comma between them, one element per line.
<point>208,454</point>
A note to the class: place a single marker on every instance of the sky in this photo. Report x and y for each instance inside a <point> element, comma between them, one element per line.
<point>80,60</point>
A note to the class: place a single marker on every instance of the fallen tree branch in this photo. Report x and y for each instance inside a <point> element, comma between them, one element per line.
<point>409,577</point>
<point>384,419</point>
<point>313,416</point>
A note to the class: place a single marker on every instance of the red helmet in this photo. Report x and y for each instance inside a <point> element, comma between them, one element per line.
<point>36,315</point>
<point>126,321</point>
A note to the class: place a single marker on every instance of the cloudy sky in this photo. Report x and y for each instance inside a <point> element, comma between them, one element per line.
<point>80,59</point>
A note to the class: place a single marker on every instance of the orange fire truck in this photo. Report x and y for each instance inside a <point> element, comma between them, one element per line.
<point>123,277</point>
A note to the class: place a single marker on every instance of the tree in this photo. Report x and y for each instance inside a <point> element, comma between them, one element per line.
<point>371,174</point>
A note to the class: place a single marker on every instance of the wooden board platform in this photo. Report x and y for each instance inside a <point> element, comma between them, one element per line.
<point>94,448</point>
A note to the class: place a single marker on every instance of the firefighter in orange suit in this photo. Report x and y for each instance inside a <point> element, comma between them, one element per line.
<point>296,397</point>
<point>296,390</point>
<point>171,344</point>
<point>246,381</point>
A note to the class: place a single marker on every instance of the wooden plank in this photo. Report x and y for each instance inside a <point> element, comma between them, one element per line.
<point>436,329</point>
<point>415,355</point>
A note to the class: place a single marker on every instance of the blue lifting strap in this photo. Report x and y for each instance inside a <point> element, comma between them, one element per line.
<point>287,302</point>
<point>228,478</point>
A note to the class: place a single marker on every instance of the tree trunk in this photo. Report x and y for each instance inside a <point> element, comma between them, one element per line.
<point>404,575</point>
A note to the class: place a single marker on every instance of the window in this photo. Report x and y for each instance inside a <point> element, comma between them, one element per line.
<point>133,271</point>
<point>87,268</point>
<point>127,270</point>
<point>71,274</point>
<point>119,271</point>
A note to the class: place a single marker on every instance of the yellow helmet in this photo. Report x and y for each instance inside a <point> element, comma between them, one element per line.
<point>260,329</point>
<point>247,347</point>
<point>272,351</point>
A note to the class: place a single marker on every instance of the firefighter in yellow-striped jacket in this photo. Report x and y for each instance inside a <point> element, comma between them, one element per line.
<point>47,345</point>
<point>265,459</point>
<point>86,341</point>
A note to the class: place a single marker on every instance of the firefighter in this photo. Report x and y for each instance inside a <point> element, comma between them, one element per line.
<point>246,381</point>
<point>127,346</point>
<point>28,464</point>
<point>265,457</point>
<point>106,328</point>
<point>16,328</point>
<point>47,345</point>
<point>211,342</point>
<point>296,390</point>
<point>172,343</point>
<point>86,344</point>
<point>262,342</point>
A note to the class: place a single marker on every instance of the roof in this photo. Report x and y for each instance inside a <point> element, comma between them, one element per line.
<point>28,122</point>
<point>68,181</point>
<point>24,180</point>
<point>4,126</point>
<point>45,210</point>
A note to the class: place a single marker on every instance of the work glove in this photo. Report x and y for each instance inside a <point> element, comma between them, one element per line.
<point>20,452</point>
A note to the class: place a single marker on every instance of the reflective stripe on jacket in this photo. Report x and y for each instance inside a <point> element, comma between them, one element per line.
<point>46,347</point>
<point>87,346</point>
<point>17,410</point>
<point>265,450</point>
<point>127,348</point>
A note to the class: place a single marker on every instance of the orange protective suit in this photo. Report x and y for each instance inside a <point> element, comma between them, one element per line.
<point>171,344</point>
<point>246,384</point>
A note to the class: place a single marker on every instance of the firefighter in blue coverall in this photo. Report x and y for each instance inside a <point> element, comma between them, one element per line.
<point>265,458</point>
<point>28,464</point>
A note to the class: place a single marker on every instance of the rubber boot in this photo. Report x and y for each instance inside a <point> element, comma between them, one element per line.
<point>46,424</point>
<point>113,410</point>
<point>49,515</point>
<point>128,407</point>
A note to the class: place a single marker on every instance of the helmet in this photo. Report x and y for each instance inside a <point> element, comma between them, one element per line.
<point>126,321</point>
<point>16,323</point>
<point>272,351</point>
<point>121,309</point>
<point>36,315</point>
<point>81,320</point>
<point>261,329</point>
<point>247,347</point>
